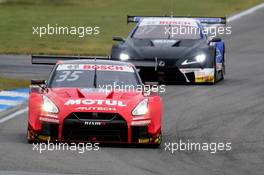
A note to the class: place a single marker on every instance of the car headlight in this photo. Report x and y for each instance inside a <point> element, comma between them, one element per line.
<point>49,106</point>
<point>197,59</point>
<point>200,58</point>
<point>124,56</point>
<point>141,108</point>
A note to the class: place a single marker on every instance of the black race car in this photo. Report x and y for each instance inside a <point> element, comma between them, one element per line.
<point>162,52</point>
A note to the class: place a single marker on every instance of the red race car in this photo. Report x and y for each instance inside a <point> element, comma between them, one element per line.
<point>93,101</point>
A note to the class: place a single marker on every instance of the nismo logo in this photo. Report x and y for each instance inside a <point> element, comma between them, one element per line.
<point>93,123</point>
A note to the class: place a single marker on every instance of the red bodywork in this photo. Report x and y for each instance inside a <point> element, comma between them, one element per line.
<point>78,101</point>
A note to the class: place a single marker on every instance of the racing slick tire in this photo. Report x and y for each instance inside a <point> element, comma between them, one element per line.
<point>216,73</point>
<point>219,75</point>
<point>222,72</point>
<point>31,136</point>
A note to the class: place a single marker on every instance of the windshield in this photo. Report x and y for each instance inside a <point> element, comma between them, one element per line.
<point>83,76</point>
<point>167,32</point>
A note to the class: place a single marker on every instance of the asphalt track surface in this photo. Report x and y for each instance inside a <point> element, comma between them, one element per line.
<point>231,111</point>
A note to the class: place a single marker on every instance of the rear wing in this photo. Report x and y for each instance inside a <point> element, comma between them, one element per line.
<point>52,60</point>
<point>203,20</point>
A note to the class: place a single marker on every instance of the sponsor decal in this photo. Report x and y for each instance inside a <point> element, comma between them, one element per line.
<point>43,138</point>
<point>48,120</point>
<point>95,108</point>
<point>93,67</point>
<point>191,70</point>
<point>198,71</point>
<point>49,115</point>
<point>204,79</point>
<point>144,140</point>
<point>140,123</point>
<point>94,90</point>
<point>95,102</point>
<point>182,23</point>
<point>168,21</point>
<point>94,123</point>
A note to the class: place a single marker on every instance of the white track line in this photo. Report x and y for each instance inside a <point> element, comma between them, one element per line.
<point>13,115</point>
<point>13,94</point>
<point>9,102</point>
<point>244,13</point>
<point>230,19</point>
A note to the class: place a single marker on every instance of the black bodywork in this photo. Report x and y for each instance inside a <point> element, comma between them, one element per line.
<point>166,59</point>
<point>163,58</point>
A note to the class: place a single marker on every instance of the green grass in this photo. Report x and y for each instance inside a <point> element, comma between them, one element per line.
<point>7,83</point>
<point>17,17</point>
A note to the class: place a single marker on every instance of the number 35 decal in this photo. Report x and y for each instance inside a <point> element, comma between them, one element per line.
<point>69,76</point>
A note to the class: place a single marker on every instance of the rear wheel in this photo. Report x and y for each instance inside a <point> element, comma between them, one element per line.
<point>221,75</point>
<point>223,70</point>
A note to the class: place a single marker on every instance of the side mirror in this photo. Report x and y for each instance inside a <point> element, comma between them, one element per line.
<point>38,86</point>
<point>150,88</point>
<point>38,82</point>
<point>216,40</point>
<point>118,38</point>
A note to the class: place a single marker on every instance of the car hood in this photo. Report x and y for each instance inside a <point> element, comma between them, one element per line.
<point>175,49</point>
<point>85,99</point>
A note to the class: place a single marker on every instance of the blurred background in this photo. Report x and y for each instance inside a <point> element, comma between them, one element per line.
<point>17,17</point>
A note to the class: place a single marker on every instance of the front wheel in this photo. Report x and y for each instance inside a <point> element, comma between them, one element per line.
<point>157,141</point>
<point>31,135</point>
<point>215,73</point>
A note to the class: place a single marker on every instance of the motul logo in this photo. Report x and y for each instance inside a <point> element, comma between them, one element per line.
<point>93,123</point>
<point>95,102</point>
